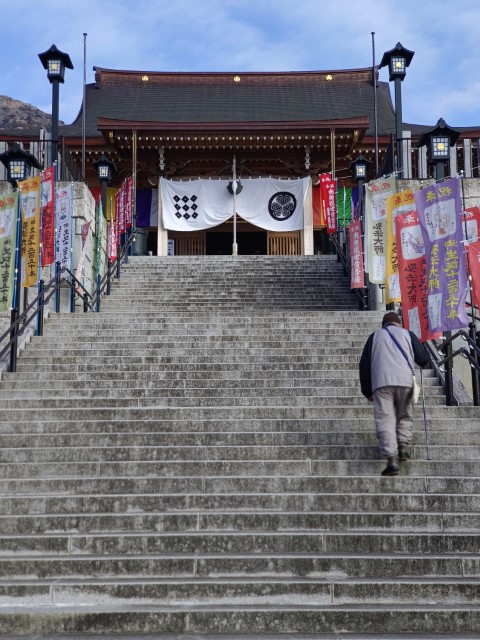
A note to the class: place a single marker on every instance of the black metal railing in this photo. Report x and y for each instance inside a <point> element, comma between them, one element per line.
<point>34,313</point>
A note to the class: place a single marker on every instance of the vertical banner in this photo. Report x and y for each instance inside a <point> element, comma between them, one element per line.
<point>117,218</point>
<point>357,278</point>
<point>63,224</point>
<point>328,191</point>
<point>129,202</point>
<point>81,259</point>
<point>8,243</point>
<point>48,217</point>
<point>376,194</point>
<point>440,214</point>
<point>471,231</point>
<point>98,248</point>
<point>30,198</point>
<point>344,207</point>
<point>412,268</point>
<point>112,241</point>
<point>401,202</point>
<point>121,209</point>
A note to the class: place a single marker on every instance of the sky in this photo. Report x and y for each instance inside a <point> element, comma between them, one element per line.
<point>443,80</point>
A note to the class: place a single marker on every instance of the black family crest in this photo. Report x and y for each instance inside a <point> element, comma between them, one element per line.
<point>282,205</point>
<point>189,207</point>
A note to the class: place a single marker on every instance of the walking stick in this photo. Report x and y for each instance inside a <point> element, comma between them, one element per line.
<point>424,414</point>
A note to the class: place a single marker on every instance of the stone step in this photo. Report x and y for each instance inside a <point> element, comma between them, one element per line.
<point>421,467</point>
<point>245,619</point>
<point>240,591</point>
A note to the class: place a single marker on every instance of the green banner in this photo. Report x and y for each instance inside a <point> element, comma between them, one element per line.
<point>8,243</point>
<point>344,206</point>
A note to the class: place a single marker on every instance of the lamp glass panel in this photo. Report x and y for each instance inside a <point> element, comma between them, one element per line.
<point>440,147</point>
<point>360,170</point>
<point>18,169</point>
<point>55,67</point>
<point>398,64</point>
<point>103,172</point>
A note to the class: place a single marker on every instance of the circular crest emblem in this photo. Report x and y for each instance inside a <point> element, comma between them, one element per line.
<point>282,205</point>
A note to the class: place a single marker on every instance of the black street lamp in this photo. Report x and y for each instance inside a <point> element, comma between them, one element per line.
<point>18,163</point>
<point>398,59</point>
<point>359,168</point>
<point>55,62</point>
<point>104,168</point>
<point>438,141</point>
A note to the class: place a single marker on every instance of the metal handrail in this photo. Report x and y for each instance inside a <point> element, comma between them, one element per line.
<point>19,322</point>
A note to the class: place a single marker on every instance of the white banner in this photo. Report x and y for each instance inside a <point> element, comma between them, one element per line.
<point>275,205</point>
<point>63,225</point>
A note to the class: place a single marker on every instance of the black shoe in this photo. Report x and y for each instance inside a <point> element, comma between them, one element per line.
<point>404,454</point>
<point>392,467</point>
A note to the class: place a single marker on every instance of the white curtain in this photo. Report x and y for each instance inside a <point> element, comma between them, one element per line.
<point>276,205</point>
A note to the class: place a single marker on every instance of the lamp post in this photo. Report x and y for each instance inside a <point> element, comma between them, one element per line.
<point>359,168</point>
<point>398,59</point>
<point>104,168</point>
<point>18,164</point>
<point>55,62</point>
<point>438,141</point>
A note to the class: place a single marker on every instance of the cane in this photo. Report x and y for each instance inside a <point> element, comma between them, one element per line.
<point>424,414</point>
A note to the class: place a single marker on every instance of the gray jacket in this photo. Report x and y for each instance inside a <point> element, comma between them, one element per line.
<point>383,365</point>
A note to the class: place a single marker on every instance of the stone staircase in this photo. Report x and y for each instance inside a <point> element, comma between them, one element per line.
<point>197,460</point>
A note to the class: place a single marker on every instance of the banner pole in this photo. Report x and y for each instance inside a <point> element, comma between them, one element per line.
<point>234,189</point>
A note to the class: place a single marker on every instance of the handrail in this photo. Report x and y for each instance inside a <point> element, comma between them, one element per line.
<point>19,322</point>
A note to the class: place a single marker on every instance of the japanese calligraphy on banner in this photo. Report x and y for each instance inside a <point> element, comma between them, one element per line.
<point>48,217</point>
<point>412,268</point>
<point>328,193</point>
<point>400,202</point>
<point>63,224</point>
<point>376,194</point>
<point>344,207</point>
<point>357,278</point>
<point>122,220</point>
<point>30,198</point>
<point>471,228</point>
<point>112,241</point>
<point>439,212</point>
<point>8,243</point>
<point>128,201</point>
<point>81,259</point>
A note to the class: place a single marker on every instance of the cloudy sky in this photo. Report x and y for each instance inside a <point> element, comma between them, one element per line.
<point>443,79</point>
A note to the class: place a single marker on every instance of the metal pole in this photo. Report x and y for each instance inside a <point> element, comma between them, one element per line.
<point>84,105</point>
<point>399,125</point>
<point>375,112</point>
<point>234,189</point>
<point>55,112</point>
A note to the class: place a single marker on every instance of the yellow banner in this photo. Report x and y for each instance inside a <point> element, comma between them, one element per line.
<point>30,198</point>
<point>401,202</point>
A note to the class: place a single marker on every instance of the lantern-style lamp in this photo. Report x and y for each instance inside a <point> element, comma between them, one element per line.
<point>397,60</point>
<point>438,141</point>
<point>105,169</point>
<point>55,62</point>
<point>18,163</point>
<point>359,168</point>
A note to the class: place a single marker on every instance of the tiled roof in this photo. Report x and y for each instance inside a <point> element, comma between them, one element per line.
<point>234,98</point>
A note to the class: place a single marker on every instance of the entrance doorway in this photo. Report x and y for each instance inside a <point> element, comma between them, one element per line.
<point>249,243</point>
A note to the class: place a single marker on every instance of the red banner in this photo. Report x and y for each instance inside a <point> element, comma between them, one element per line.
<point>129,202</point>
<point>412,268</point>
<point>48,217</point>
<point>328,197</point>
<point>357,276</point>
<point>471,232</point>
<point>121,209</point>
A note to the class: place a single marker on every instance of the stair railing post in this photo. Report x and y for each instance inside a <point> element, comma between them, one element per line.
<point>57,287</point>
<point>473,354</point>
<point>97,295</point>
<point>449,372</point>
<point>85,302</point>
<point>109,269</point>
<point>40,307</point>
<point>14,340</point>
